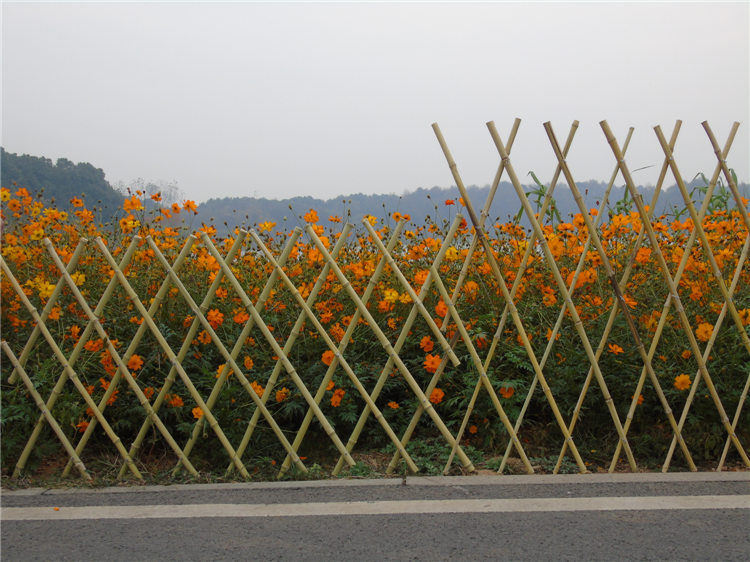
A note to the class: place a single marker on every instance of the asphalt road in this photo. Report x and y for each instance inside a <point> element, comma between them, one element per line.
<point>677,516</point>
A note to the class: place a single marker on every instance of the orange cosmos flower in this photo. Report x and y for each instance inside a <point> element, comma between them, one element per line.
<point>703,331</point>
<point>327,357</point>
<point>76,202</point>
<point>682,382</point>
<point>338,394</point>
<point>393,405</point>
<point>431,362</point>
<point>450,202</point>
<point>132,204</point>
<point>248,362</point>
<point>215,318</point>
<point>436,396</point>
<point>135,362</point>
<point>614,348</point>
<point>282,394</point>
<point>197,413</point>
<point>427,344</point>
<point>507,391</point>
<point>190,206</point>
<point>441,309</point>
<point>257,388</point>
<point>241,317</point>
<point>311,216</point>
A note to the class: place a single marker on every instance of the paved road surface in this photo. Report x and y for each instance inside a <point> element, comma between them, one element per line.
<point>699,516</point>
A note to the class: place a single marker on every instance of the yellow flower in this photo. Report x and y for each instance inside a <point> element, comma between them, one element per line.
<point>390,295</point>
<point>703,331</point>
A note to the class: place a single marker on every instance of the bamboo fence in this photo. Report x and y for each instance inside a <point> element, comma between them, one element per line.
<point>72,370</point>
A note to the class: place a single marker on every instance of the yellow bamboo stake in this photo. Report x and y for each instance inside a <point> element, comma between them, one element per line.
<point>195,324</point>
<point>332,346</point>
<point>698,226</point>
<point>621,300</point>
<point>673,290</point>
<point>293,335</point>
<point>125,284</point>
<point>114,383</point>
<point>36,332</point>
<point>387,346</point>
<point>706,354</point>
<point>504,315</point>
<point>247,303</point>
<point>506,295</point>
<point>455,297</point>
<point>60,356</point>
<point>482,375</point>
<point>301,432</point>
<point>727,173</point>
<point>63,377</point>
<point>668,301</point>
<point>412,295</point>
<point>615,309</point>
<point>577,322</point>
<point>18,368</point>
<point>400,341</point>
<point>240,343</point>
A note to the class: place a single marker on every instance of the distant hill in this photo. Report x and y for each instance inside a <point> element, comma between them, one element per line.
<point>63,180</point>
<point>423,203</point>
<point>60,181</point>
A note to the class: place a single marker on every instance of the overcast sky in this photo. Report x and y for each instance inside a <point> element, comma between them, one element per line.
<point>284,99</point>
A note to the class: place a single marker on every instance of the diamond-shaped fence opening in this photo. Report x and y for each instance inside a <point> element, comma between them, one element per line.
<point>610,335</point>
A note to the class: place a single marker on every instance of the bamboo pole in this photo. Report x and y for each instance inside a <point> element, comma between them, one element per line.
<point>577,322</point>
<point>296,379</point>
<point>63,377</point>
<point>455,297</point>
<point>36,332</point>
<point>482,375</point>
<point>668,301</point>
<point>412,295</point>
<point>506,295</point>
<point>60,356</point>
<point>18,368</point>
<point>170,355</point>
<point>673,290</point>
<point>239,344</point>
<point>725,170</point>
<point>114,383</point>
<point>621,300</point>
<point>400,341</point>
<point>503,318</point>
<point>615,309</point>
<point>698,226</point>
<point>332,346</point>
<point>387,346</point>
<point>293,335</point>
<point>186,343</point>
<point>706,354</point>
<point>302,431</point>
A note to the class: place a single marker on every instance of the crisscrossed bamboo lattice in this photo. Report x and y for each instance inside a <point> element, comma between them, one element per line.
<point>460,347</point>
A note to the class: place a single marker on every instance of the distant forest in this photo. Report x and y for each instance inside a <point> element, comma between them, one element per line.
<point>61,181</point>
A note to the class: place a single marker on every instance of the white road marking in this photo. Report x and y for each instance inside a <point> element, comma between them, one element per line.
<point>643,503</point>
